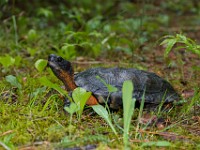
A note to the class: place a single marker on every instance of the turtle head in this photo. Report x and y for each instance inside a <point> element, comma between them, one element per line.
<point>62,69</point>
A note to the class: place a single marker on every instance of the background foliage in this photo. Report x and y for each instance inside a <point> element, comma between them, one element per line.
<point>125,33</point>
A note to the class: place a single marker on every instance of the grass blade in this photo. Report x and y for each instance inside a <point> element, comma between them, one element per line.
<point>140,114</point>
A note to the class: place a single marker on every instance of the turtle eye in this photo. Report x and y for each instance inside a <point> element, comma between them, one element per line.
<point>59,59</point>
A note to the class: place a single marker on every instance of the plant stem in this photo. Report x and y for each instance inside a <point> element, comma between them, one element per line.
<point>15,29</point>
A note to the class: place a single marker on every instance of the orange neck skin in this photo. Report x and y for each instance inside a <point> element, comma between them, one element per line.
<point>68,80</point>
<point>70,85</point>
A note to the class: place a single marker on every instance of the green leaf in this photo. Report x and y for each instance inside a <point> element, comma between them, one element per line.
<point>37,92</point>
<point>32,51</point>
<point>68,51</point>
<point>158,143</point>
<point>7,142</point>
<point>7,61</point>
<point>13,81</point>
<point>109,87</point>
<point>40,64</point>
<point>170,43</point>
<point>181,38</point>
<point>101,111</point>
<point>47,13</point>
<point>17,60</point>
<point>80,97</point>
<point>32,34</point>
<point>72,108</point>
<point>44,81</point>
<point>128,107</point>
<point>186,43</point>
<point>94,23</point>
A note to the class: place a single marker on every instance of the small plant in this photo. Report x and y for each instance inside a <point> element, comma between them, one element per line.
<point>14,81</point>
<point>195,101</point>
<point>87,42</point>
<point>8,61</point>
<point>45,12</point>
<point>110,89</point>
<point>32,35</point>
<point>80,97</point>
<point>188,44</point>
<point>71,110</point>
<point>101,111</point>
<point>183,43</point>
<point>128,107</point>
<point>46,82</point>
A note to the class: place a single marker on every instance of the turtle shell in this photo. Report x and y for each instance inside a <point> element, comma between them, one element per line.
<point>154,87</point>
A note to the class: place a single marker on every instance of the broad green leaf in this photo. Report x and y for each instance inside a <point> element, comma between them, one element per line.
<point>128,107</point>
<point>13,81</point>
<point>72,108</point>
<point>80,97</point>
<point>7,61</point>
<point>157,143</point>
<point>44,81</point>
<point>101,111</point>
<point>128,102</point>
<point>40,64</point>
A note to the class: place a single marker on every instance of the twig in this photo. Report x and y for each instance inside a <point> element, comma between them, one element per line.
<point>7,132</point>
<point>176,29</point>
<point>99,62</point>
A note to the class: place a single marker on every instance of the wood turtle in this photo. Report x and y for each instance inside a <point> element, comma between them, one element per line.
<point>156,89</point>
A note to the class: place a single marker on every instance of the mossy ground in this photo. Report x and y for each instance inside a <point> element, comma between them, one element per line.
<point>124,34</point>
